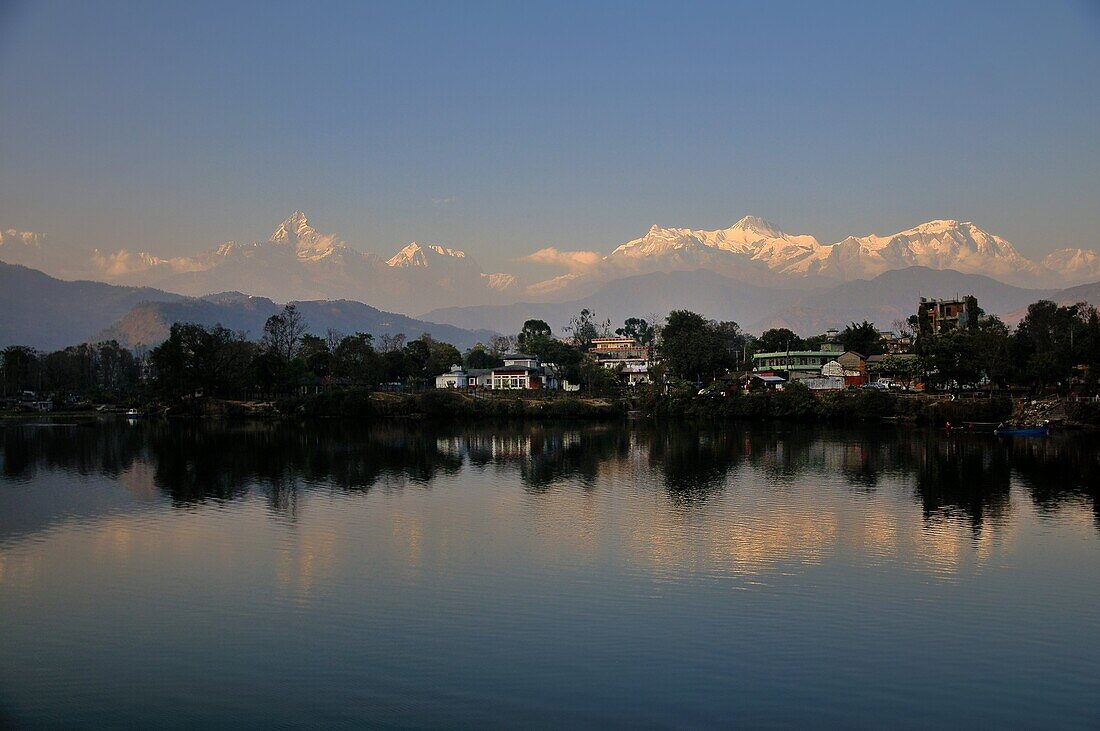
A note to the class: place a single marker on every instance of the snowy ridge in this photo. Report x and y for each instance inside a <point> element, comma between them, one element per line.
<point>937,244</point>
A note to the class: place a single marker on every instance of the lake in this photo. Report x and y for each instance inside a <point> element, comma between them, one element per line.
<point>330,574</point>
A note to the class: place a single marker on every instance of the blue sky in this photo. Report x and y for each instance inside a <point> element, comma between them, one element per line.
<point>504,127</point>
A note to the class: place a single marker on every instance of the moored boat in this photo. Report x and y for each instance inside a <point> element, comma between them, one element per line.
<point>1022,431</point>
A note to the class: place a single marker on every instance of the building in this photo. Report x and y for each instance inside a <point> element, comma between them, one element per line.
<point>633,357</point>
<point>795,362</point>
<point>853,363</point>
<point>893,343</point>
<point>610,352</point>
<point>457,377</point>
<point>522,371</point>
<point>944,315</point>
<point>850,368</point>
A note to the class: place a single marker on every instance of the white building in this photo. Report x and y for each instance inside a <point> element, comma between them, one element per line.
<point>458,377</point>
<point>625,352</point>
<point>518,372</point>
<point>522,371</point>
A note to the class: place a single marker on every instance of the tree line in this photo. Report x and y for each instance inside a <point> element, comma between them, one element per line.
<point>1053,348</point>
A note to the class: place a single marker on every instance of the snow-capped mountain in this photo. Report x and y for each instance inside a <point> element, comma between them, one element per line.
<point>1078,265</point>
<point>754,247</point>
<point>31,249</point>
<point>941,244</point>
<point>415,255</point>
<point>751,236</point>
<point>299,262</point>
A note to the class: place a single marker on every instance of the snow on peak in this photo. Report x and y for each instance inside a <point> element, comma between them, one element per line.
<point>307,242</point>
<point>293,229</point>
<point>1074,264</point>
<point>759,225</point>
<point>415,255</point>
<point>751,235</point>
<point>13,237</point>
<point>500,281</point>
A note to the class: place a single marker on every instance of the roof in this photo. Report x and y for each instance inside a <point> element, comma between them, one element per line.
<point>771,379</point>
<point>519,356</point>
<point>798,353</point>
<point>517,369</point>
<point>879,358</point>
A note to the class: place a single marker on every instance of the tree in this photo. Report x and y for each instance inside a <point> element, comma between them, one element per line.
<point>479,357</point>
<point>639,329</point>
<point>584,328</point>
<point>21,369</point>
<point>393,343</point>
<point>441,356</point>
<point>501,345</point>
<point>973,312</point>
<point>355,359</point>
<point>692,347</point>
<point>862,338</point>
<point>533,329</point>
<point>902,368</point>
<point>777,340</point>
<point>283,333</point>
<point>215,361</point>
<point>733,340</point>
<point>315,352</point>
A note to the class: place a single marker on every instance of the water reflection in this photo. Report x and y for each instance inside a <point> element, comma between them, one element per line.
<point>491,574</point>
<point>953,477</point>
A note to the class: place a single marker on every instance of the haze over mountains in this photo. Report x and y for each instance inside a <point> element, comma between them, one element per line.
<point>753,272</point>
<point>49,314</point>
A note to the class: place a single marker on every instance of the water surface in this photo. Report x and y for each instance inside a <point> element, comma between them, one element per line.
<point>545,575</point>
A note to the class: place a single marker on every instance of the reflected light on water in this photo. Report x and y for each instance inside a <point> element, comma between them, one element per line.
<point>518,573</point>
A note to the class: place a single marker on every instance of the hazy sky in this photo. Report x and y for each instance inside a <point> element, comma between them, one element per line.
<point>504,127</point>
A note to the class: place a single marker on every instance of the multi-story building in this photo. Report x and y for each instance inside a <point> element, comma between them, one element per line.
<point>519,371</point>
<point>634,357</point>
<point>610,352</point>
<point>522,371</point>
<point>944,314</point>
<point>795,362</point>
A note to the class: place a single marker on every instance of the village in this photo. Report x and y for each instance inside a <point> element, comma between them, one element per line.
<point>891,362</point>
<point>948,347</point>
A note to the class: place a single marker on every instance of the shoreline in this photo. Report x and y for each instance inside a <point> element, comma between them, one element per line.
<point>790,406</point>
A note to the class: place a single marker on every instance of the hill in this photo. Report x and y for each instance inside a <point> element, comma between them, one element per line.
<point>43,312</point>
<point>148,323</point>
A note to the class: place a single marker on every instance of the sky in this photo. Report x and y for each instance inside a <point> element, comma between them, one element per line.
<point>501,128</point>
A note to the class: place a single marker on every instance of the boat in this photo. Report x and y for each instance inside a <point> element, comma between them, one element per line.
<point>133,414</point>
<point>1022,431</point>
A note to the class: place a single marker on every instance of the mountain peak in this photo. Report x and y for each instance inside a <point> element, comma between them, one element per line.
<point>759,225</point>
<point>417,255</point>
<point>941,224</point>
<point>294,228</point>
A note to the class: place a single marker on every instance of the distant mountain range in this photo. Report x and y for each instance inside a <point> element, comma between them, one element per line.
<point>753,272</point>
<point>47,313</point>
<point>300,263</point>
<point>882,299</point>
<point>297,262</point>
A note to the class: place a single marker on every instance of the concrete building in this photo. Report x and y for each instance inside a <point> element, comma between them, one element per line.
<point>625,353</point>
<point>795,362</point>
<point>457,377</point>
<point>522,371</point>
<point>944,314</point>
